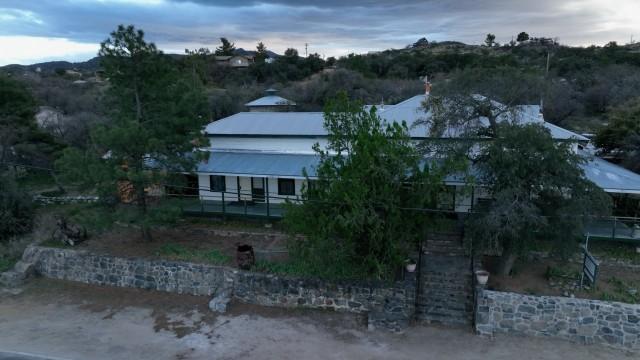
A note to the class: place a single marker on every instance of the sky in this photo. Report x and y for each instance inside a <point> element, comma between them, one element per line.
<point>44,30</point>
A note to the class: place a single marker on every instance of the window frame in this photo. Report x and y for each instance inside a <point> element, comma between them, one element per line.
<point>282,181</point>
<point>223,183</point>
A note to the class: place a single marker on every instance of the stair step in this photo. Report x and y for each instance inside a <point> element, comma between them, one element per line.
<point>446,303</point>
<point>446,281</point>
<point>447,288</point>
<point>445,319</point>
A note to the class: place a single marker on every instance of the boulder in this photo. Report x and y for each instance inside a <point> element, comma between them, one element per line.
<point>220,301</point>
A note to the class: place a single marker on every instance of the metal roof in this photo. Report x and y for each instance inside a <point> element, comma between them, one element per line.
<point>271,100</point>
<point>253,163</point>
<point>311,123</point>
<point>411,111</point>
<point>270,123</point>
<point>611,177</point>
<point>259,164</point>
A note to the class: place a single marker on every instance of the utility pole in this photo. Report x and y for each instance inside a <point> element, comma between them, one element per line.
<point>306,54</point>
<point>546,76</point>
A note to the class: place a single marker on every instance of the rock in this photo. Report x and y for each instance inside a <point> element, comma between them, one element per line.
<point>12,278</point>
<point>220,301</point>
<point>27,268</point>
<point>68,233</point>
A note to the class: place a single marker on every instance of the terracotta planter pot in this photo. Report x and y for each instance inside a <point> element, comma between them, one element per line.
<point>482,276</point>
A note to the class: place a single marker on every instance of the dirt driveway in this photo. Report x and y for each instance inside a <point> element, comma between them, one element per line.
<point>64,320</point>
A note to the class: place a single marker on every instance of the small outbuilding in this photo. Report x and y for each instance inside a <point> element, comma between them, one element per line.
<point>271,103</point>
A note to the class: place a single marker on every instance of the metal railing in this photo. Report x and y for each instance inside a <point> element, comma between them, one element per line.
<point>235,203</point>
<point>616,228</point>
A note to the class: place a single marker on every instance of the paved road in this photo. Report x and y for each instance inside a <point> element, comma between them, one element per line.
<point>24,356</point>
<point>80,322</point>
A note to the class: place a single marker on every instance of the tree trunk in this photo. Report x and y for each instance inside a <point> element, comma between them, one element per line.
<point>138,104</point>
<point>146,232</point>
<point>142,206</point>
<point>57,181</point>
<point>507,260</point>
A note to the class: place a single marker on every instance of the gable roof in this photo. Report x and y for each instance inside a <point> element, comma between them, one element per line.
<point>269,124</point>
<point>270,100</point>
<point>610,177</point>
<point>311,123</point>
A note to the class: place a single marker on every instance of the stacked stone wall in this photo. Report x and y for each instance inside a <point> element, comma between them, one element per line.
<point>579,320</point>
<point>388,305</point>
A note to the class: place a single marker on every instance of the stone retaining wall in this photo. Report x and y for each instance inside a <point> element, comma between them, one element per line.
<point>580,320</point>
<point>387,305</point>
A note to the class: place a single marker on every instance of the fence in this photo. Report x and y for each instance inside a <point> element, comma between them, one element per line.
<point>236,203</point>
<point>616,228</point>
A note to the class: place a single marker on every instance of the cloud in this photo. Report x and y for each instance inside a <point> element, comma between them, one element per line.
<point>331,27</point>
<point>31,49</point>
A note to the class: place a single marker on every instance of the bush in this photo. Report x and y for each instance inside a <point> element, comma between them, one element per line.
<point>16,210</point>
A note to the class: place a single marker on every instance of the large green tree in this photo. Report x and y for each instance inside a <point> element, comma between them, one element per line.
<point>21,141</point>
<point>156,117</point>
<point>468,95</point>
<point>226,48</point>
<point>539,192</point>
<point>620,137</point>
<point>355,216</point>
<point>261,53</point>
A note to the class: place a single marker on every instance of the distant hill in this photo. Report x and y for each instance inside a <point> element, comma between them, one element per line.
<point>94,63</point>
<point>50,66</point>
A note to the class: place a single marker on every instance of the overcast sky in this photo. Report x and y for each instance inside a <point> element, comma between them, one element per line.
<point>43,30</point>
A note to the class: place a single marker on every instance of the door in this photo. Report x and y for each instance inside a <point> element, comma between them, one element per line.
<point>257,189</point>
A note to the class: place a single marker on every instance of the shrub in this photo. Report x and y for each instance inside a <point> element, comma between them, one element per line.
<point>16,210</point>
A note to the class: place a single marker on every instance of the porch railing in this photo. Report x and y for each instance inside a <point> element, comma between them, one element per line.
<point>234,203</point>
<point>616,228</point>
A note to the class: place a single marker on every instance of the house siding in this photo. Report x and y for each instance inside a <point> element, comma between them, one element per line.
<point>289,145</point>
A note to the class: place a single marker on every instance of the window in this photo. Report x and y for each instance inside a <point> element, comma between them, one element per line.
<point>286,187</point>
<point>217,183</point>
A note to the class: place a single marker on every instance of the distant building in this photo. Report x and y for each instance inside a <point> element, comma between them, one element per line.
<point>236,61</point>
<point>73,73</point>
<point>271,103</point>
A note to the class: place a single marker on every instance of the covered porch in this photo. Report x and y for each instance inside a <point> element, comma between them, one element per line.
<point>251,183</point>
<point>624,187</point>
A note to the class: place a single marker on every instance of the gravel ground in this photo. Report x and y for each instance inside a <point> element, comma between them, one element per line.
<point>62,320</point>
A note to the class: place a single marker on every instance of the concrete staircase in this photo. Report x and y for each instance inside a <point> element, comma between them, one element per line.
<point>445,288</point>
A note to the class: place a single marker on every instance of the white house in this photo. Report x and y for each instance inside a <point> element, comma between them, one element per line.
<point>263,156</point>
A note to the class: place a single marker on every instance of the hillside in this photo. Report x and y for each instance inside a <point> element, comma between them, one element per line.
<point>93,64</point>
<point>582,87</point>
